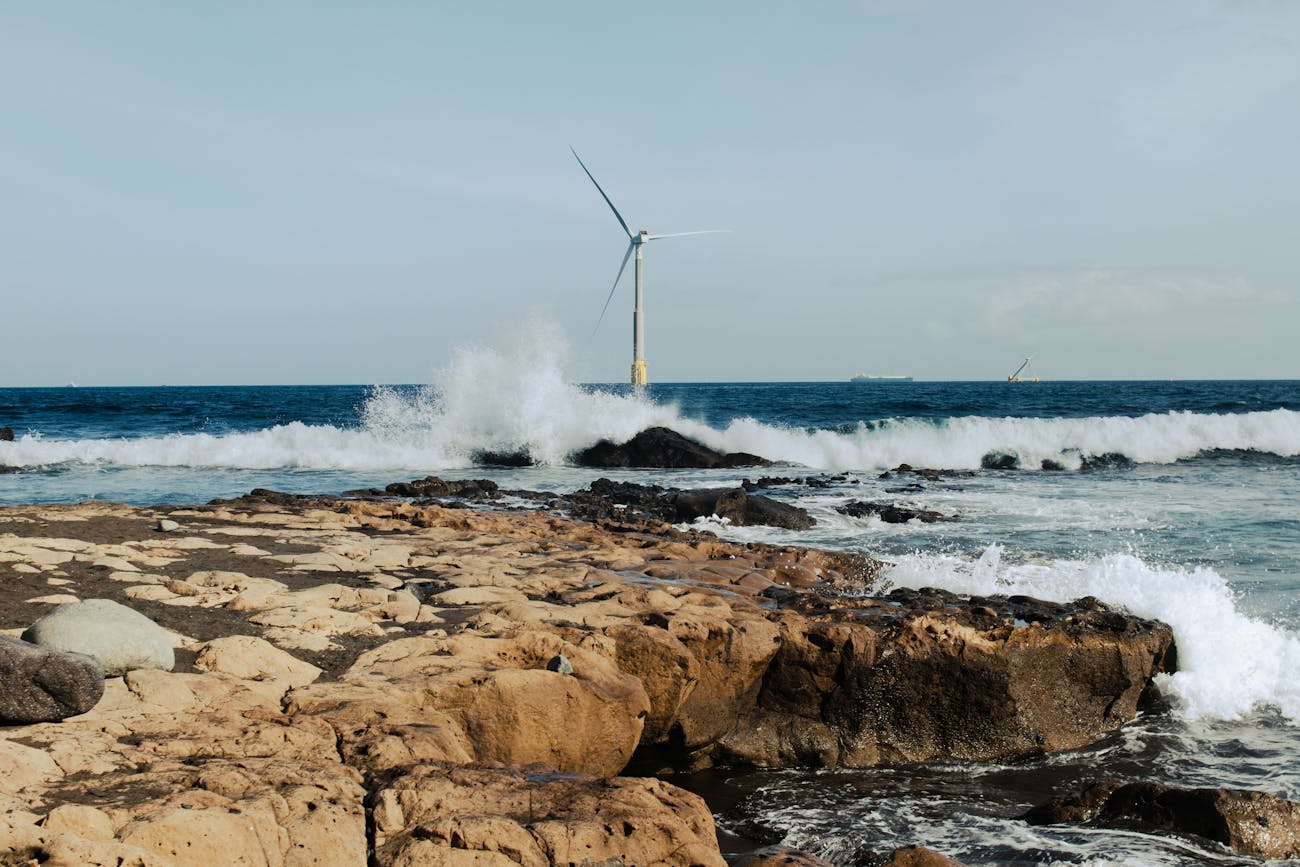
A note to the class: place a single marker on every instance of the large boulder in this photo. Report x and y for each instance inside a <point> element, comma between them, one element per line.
<point>121,638</point>
<point>42,685</point>
<point>1253,823</point>
<point>476,815</point>
<point>926,675</point>
<point>662,448</point>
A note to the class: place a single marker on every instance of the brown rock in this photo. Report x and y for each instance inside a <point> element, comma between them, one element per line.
<point>918,856</point>
<point>937,676</point>
<point>779,856</point>
<point>475,815</point>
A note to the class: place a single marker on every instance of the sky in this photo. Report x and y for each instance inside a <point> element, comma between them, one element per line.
<point>329,192</point>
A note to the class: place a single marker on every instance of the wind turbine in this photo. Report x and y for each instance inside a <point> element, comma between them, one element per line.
<point>636,241</point>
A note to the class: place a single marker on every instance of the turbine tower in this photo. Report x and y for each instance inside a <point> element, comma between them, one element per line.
<point>636,241</point>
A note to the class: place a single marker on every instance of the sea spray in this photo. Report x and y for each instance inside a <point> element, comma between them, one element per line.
<point>1229,664</point>
<point>520,401</point>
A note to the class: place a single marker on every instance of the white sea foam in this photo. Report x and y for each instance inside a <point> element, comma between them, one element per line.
<point>1229,664</point>
<point>523,400</point>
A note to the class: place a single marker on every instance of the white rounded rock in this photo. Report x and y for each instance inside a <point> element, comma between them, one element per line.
<point>121,638</point>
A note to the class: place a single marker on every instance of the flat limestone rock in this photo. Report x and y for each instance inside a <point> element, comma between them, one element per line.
<point>42,685</point>
<point>121,638</point>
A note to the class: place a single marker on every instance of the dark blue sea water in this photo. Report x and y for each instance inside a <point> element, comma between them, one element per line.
<point>1176,500</point>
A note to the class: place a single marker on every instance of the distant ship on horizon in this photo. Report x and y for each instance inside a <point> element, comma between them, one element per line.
<point>880,377</point>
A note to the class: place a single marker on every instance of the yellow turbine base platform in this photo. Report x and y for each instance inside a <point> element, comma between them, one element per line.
<point>638,373</point>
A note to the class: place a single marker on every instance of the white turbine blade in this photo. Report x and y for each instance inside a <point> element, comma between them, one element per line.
<point>621,221</point>
<point>621,268</point>
<point>683,234</point>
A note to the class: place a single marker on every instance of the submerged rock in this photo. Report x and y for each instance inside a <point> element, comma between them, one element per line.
<point>662,448</point>
<point>1253,823</point>
<point>6,434</point>
<point>121,638</point>
<point>42,685</point>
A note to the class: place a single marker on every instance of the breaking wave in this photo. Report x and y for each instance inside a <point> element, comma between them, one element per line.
<point>1228,663</point>
<point>523,401</point>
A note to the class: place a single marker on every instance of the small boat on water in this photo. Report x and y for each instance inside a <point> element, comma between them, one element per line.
<point>880,377</point>
<point>1030,376</point>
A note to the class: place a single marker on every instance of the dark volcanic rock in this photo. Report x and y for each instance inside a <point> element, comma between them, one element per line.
<point>999,461</point>
<point>737,506</point>
<point>434,487</point>
<point>40,685</point>
<point>1253,823</point>
<point>519,458</point>
<point>622,501</point>
<point>661,448</point>
<point>890,513</point>
<point>927,474</point>
<point>6,434</point>
<point>4,469</point>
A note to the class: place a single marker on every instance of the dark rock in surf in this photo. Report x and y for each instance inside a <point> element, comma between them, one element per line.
<point>1108,461</point>
<point>520,458</point>
<point>1253,823</point>
<point>432,487</point>
<point>661,448</point>
<point>890,513</point>
<point>4,469</point>
<point>6,434</point>
<point>607,500</point>
<point>738,507</point>
<point>1052,466</point>
<point>927,474</point>
<point>1000,461</point>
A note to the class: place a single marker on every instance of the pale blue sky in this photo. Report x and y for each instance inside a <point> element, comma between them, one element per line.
<point>327,192</point>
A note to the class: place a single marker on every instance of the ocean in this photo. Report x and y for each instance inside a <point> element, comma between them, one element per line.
<point>1173,500</point>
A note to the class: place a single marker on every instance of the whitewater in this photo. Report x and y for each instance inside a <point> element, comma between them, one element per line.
<point>1172,500</point>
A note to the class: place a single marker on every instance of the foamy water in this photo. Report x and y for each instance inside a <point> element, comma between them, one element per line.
<point>1229,664</point>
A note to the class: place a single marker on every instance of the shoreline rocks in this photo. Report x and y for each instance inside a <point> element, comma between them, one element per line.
<point>337,656</point>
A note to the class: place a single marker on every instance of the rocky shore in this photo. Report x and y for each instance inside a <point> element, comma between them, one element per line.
<point>391,682</point>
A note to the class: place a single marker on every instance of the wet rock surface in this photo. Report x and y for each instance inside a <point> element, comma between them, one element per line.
<point>338,656</point>
<point>663,448</point>
<point>1253,823</point>
<point>891,513</point>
